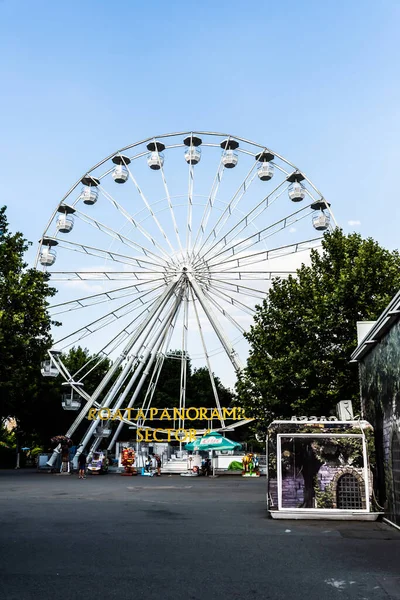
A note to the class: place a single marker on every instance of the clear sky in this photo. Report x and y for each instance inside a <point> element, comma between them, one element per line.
<point>318,82</point>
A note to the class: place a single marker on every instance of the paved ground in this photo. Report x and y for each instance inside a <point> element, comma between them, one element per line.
<point>173,537</point>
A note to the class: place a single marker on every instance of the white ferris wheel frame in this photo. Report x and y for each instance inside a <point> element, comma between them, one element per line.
<point>163,285</point>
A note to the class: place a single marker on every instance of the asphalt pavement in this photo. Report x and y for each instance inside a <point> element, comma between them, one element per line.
<point>114,537</point>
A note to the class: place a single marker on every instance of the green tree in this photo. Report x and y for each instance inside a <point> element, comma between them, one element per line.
<point>24,326</point>
<point>305,330</point>
<point>201,393</point>
<point>167,392</point>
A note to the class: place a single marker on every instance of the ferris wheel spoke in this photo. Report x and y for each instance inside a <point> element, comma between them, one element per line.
<point>158,368</point>
<point>248,219</point>
<point>127,331</point>
<point>149,208</point>
<point>207,357</point>
<point>170,206</point>
<point>223,338</point>
<point>184,358</point>
<point>189,210</point>
<point>209,206</point>
<point>112,345</point>
<point>100,298</point>
<point>134,222</point>
<point>97,360</point>
<point>225,313</point>
<point>250,275</point>
<point>107,254</point>
<point>155,310</point>
<point>261,235</point>
<point>223,295</point>
<point>239,289</point>
<point>108,318</point>
<point>119,237</point>
<point>145,276</point>
<point>228,210</point>
<point>266,255</point>
<point>146,360</point>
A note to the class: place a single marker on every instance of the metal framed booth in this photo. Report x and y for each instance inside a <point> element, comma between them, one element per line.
<point>320,469</point>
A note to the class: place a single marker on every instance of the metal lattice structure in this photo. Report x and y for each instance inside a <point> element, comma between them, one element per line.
<point>147,261</point>
<point>348,493</point>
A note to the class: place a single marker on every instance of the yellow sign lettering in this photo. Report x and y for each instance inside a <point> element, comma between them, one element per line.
<point>203,414</point>
<point>229,413</point>
<point>196,414</point>
<point>180,435</point>
<point>215,414</point>
<point>165,414</point>
<point>101,414</point>
<point>179,415</point>
<point>117,415</point>
<point>128,413</point>
<point>92,414</point>
<point>156,439</point>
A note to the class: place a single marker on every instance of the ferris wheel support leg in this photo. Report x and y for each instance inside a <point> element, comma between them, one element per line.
<point>212,380</point>
<point>158,368</point>
<point>226,344</point>
<point>149,357</point>
<point>183,376</point>
<point>117,386</point>
<point>120,400</point>
<point>157,308</point>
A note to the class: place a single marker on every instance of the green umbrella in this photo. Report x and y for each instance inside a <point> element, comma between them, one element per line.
<point>212,441</point>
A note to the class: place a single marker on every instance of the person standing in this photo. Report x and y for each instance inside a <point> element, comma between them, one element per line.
<point>158,463</point>
<point>82,465</point>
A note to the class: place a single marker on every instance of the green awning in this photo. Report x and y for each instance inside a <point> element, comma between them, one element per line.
<point>213,441</point>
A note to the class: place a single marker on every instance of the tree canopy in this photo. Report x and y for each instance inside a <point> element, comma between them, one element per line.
<point>24,325</point>
<point>305,330</point>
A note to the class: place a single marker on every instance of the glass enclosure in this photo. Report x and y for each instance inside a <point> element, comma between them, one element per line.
<point>318,467</point>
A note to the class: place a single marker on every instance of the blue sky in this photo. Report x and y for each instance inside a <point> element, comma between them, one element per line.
<point>316,81</point>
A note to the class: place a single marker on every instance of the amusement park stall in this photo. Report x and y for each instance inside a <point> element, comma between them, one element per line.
<point>320,470</point>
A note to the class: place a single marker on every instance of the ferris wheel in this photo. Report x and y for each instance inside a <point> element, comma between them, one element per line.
<point>171,242</point>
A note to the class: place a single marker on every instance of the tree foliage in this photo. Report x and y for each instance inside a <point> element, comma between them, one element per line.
<point>305,330</point>
<point>24,325</point>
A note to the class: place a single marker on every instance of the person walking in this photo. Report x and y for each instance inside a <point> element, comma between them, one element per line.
<point>82,465</point>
